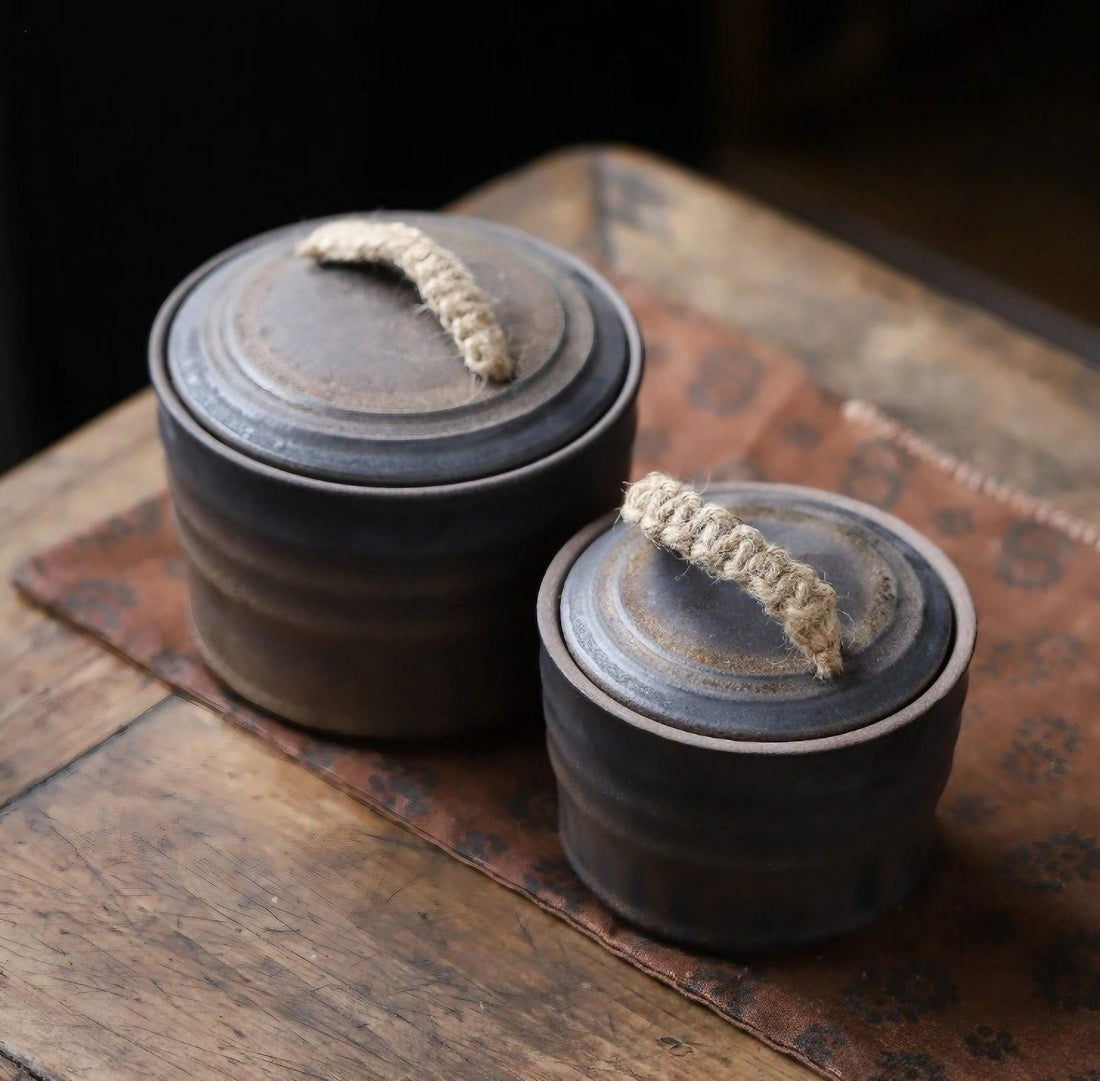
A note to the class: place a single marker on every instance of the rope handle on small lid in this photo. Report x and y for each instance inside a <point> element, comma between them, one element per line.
<point>443,281</point>
<point>676,517</point>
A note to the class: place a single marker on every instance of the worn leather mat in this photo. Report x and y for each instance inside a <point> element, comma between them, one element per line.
<point>992,969</point>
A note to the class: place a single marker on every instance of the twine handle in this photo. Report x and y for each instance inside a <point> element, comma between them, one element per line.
<point>675,517</point>
<point>441,278</point>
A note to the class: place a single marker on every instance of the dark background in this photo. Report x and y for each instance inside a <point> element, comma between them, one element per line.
<point>947,135</point>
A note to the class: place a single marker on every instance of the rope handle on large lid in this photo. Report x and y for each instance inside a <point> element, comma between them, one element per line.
<point>674,516</point>
<point>443,281</point>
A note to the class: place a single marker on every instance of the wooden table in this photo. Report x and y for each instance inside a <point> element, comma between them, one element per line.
<point>178,901</point>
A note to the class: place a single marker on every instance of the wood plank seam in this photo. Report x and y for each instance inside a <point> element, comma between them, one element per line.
<point>14,801</point>
<point>19,703</point>
<point>24,1066</point>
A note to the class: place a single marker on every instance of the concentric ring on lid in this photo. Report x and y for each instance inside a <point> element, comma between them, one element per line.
<point>666,640</point>
<point>340,373</point>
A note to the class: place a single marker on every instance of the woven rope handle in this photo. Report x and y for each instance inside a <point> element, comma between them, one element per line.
<point>677,518</point>
<point>441,278</point>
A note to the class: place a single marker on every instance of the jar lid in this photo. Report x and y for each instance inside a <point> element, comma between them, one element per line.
<point>665,639</point>
<point>341,373</point>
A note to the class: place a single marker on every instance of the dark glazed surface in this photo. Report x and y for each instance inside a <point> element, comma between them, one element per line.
<point>406,617</point>
<point>667,640</point>
<point>390,612</point>
<point>342,373</point>
<point>739,845</point>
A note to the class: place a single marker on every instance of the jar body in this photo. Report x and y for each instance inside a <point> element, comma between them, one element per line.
<point>380,612</point>
<point>738,844</point>
<point>738,852</point>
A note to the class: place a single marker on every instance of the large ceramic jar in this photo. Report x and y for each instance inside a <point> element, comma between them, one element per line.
<point>365,521</point>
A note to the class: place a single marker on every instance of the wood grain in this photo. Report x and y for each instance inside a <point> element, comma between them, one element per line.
<point>60,693</point>
<point>1014,406</point>
<point>186,903</point>
<point>12,1071</point>
<point>178,901</point>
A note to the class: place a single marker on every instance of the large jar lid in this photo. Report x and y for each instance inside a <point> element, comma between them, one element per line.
<point>341,373</point>
<point>670,642</point>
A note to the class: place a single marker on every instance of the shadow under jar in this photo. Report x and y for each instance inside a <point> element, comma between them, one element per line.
<point>711,789</point>
<point>365,523</point>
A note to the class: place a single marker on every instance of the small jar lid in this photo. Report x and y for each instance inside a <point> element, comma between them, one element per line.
<point>670,642</point>
<point>341,373</point>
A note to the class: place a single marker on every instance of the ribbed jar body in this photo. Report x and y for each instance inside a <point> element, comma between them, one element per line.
<point>401,613</point>
<point>737,845</point>
<point>745,851</point>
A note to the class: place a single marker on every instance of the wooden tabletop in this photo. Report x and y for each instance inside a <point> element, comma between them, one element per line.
<point>178,901</point>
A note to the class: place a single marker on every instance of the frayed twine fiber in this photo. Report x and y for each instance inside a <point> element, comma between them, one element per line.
<point>674,516</point>
<point>441,278</point>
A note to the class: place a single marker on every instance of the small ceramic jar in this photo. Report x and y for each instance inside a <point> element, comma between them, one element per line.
<point>712,789</point>
<point>365,522</point>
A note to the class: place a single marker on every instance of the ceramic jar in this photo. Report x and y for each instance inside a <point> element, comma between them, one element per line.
<point>365,524</point>
<point>711,789</point>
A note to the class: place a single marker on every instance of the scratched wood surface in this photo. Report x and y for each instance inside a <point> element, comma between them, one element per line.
<point>1014,406</point>
<point>178,901</point>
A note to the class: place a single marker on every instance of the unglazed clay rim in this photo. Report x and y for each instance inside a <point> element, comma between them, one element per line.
<point>954,668</point>
<point>170,399</point>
